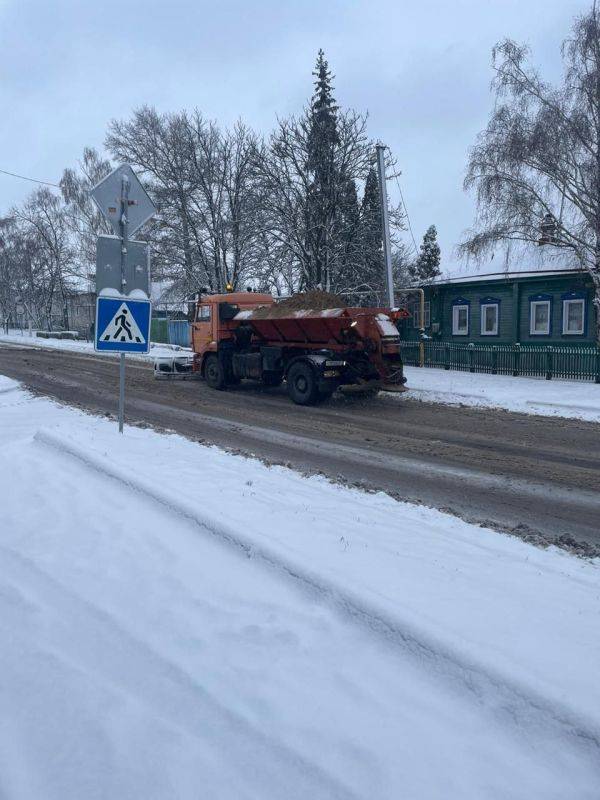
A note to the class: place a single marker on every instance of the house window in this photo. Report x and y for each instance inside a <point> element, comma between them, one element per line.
<point>416,314</point>
<point>574,316</point>
<point>539,317</point>
<point>460,320</point>
<point>489,319</point>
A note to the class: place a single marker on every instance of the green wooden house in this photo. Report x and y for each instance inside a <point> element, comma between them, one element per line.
<point>548,308</point>
<point>537,323</point>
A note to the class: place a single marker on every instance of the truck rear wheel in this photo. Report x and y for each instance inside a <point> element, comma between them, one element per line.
<point>213,372</point>
<point>302,384</point>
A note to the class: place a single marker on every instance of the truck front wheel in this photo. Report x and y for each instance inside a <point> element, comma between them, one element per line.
<point>302,384</point>
<point>213,372</point>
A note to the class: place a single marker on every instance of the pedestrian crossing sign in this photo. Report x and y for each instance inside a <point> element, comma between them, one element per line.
<point>122,325</point>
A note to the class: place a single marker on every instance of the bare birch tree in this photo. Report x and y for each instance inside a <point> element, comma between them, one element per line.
<point>536,166</point>
<point>82,215</point>
<point>203,181</point>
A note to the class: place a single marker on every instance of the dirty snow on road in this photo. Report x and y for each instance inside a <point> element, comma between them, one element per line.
<point>555,398</point>
<point>181,622</point>
<point>79,346</point>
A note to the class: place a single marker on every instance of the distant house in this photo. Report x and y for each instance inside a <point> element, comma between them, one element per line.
<point>74,310</point>
<point>546,307</point>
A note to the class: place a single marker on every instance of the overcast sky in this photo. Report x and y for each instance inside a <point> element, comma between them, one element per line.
<point>421,70</point>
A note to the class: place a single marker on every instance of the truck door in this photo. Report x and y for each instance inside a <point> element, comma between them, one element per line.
<point>203,327</point>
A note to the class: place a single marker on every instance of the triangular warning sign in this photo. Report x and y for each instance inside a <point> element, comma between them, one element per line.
<point>123,328</point>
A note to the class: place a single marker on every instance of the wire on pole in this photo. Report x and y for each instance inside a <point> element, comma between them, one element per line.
<point>412,236</point>
<point>32,180</point>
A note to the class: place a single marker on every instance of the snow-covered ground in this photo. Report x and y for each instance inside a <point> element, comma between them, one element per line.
<point>179,622</point>
<point>555,398</point>
<point>15,337</point>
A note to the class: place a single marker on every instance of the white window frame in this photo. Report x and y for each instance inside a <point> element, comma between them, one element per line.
<point>427,323</point>
<point>484,307</point>
<point>417,314</point>
<point>532,306</point>
<point>565,318</point>
<point>455,315</point>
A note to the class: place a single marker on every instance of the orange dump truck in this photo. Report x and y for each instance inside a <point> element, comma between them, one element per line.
<point>235,337</point>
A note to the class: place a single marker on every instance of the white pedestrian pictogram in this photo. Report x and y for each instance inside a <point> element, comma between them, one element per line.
<point>123,328</point>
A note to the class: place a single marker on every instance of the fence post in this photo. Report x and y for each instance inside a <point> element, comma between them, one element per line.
<point>447,356</point>
<point>471,351</point>
<point>517,360</point>
<point>597,364</point>
<point>494,360</point>
<point>549,362</point>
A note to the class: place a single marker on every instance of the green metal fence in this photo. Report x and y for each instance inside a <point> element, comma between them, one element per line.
<point>159,330</point>
<point>558,361</point>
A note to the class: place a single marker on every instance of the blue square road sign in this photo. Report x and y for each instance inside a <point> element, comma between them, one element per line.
<point>122,325</point>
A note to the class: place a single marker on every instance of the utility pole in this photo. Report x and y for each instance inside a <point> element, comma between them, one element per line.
<point>385,224</point>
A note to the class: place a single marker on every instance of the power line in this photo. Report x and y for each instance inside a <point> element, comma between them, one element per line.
<point>32,180</point>
<point>412,236</point>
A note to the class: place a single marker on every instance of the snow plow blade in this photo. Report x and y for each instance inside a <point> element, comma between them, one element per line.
<point>174,367</point>
<point>394,387</point>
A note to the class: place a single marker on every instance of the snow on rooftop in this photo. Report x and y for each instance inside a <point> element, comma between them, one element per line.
<point>501,276</point>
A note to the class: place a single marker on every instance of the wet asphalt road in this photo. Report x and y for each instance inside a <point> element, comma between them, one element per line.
<point>536,476</point>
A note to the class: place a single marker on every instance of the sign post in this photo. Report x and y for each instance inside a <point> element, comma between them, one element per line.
<point>124,237</point>
<point>122,322</point>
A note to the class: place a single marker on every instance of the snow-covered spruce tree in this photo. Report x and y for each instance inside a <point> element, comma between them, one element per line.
<point>310,171</point>
<point>363,277</point>
<point>324,198</point>
<point>350,246</point>
<point>371,237</point>
<point>426,266</point>
<point>538,160</point>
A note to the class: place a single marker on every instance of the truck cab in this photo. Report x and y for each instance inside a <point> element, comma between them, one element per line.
<point>213,321</point>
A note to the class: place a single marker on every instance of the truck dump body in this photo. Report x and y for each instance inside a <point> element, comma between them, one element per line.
<point>303,327</point>
<point>241,336</point>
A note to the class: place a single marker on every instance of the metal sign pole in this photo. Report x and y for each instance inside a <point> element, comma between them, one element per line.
<point>124,232</point>
<point>123,322</point>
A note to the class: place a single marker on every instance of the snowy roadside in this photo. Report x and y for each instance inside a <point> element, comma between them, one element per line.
<point>157,349</point>
<point>180,611</point>
<point>556,398</point>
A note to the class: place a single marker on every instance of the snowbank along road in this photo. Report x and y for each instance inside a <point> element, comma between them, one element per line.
<point>536,476</point>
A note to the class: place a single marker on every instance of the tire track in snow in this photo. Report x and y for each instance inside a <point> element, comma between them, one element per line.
<point>95,641</point>
<point>522,701</point>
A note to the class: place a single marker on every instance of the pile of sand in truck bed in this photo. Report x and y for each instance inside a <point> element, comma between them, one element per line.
<point>314,300</point>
